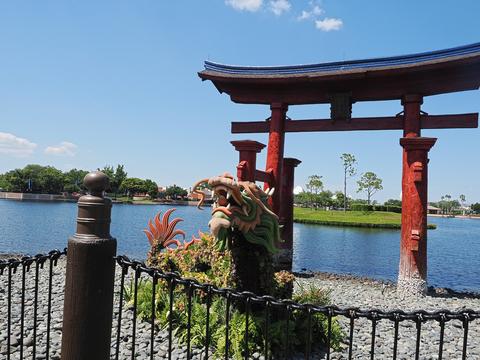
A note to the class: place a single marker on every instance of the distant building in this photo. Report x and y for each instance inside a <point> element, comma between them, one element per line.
<point>433,210</point>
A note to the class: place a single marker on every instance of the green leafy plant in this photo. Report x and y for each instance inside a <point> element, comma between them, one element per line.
<point>202,260</point>
<point>298,326</point>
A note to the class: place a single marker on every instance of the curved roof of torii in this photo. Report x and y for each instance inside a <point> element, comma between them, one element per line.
<point>387,78</point>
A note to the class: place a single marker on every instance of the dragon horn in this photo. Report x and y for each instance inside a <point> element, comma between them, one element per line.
<point>199,193</point>
<point>259,202</point>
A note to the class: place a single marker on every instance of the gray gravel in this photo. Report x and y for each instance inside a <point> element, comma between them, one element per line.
<point>344,292</point>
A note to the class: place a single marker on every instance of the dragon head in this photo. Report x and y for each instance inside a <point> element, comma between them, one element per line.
<point>240,205</point>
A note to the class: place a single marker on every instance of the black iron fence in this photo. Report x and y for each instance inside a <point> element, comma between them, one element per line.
<point>27,287</point>
<point>269,306</point>
<point>32,288</point>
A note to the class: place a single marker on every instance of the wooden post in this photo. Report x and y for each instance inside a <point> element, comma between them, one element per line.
<point>411,115</point>
<point>247,164</point>
<point>412,275</point>
<point>276,142</point>
<point>88,304</point>
<point>284,258</point>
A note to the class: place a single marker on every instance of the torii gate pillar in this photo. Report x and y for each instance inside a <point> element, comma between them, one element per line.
<point>276,141</point>
<point>247,164</point>
<point>412,274</point>
<point>285,256</point>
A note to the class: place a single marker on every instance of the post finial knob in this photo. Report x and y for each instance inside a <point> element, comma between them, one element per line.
<point>96,182</point>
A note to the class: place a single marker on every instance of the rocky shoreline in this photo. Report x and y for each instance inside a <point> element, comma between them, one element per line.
<point>344,291</point>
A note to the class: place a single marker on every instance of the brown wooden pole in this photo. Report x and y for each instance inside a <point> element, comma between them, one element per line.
<point>411,115</point>
<point>285,256</point>
<point>276,142</point>
<point>88,304</point>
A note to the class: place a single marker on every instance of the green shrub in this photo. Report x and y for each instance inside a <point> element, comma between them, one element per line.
<point>205,263</point>
<point>362,207</point>
<point>369,208</point>
<point>298,323</point>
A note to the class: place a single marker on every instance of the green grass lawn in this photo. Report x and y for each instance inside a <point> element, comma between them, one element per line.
<point>374,219</point>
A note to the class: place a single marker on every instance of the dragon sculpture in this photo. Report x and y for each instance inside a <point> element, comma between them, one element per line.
<point>242,206</point>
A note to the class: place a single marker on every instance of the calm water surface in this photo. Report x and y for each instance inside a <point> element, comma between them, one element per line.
<point>453,248</point>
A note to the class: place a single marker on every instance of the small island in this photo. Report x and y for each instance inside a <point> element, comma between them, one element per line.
<point>367,219</point>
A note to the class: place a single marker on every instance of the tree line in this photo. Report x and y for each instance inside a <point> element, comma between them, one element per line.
<point>49,180</point>
<point>316,196</point>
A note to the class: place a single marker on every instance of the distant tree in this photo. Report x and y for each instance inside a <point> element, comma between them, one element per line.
<point>476,207</point>
<point>303,199</point>
<point>51,180</point>
<point>314,186</point>
<point>349,170</point>
<point>151,188</point>
<point>445,203</point>
<point>34,178</point>
<point>370,183</point>
<point>359,202</point>
<point>132,186</point>
<point>119,176</point>
<point>30,176</point>
<point>116,177</point>
<point>339,201</point>
<point>15,181</point>
<point>73,180</point>
<point>393,202</point>
<point>462,199</point>
<point>324,199</point>
<point>3,183</point>
<point>174,192</point>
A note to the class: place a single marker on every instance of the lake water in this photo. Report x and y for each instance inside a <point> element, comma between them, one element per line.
<point>453,248</point>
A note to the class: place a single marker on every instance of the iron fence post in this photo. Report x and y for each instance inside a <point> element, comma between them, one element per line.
<point>89,284</point>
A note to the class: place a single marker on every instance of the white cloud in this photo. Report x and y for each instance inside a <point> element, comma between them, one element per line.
<point>329,24</point>
<point>65,148</point>
<point>315,11</point>
<point>16,146</point>
<point>245,5</point>
<point>278,7</point>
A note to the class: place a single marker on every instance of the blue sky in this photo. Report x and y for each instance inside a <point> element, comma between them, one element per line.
<point>84,84</point>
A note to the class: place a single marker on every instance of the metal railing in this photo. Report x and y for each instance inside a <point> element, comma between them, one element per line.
<point>268,305</point>
<point>27,286</point>
<point>28,289</point>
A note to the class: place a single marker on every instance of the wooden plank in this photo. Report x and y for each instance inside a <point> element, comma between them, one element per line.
<point>452,121</point>
<point>381,123</point>
<point>250,127</point>
<point>264,176</point>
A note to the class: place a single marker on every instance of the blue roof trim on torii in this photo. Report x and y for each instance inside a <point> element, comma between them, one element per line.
<point>383,62</point>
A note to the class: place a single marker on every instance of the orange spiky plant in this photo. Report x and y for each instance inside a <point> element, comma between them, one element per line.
<point>194,240</point>
<point>161,232</point>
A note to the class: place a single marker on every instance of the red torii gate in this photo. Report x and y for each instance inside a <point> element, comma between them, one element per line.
<point>407,78</point>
